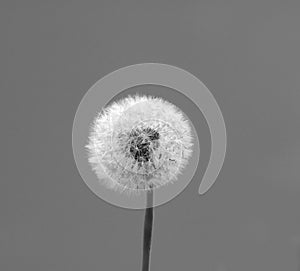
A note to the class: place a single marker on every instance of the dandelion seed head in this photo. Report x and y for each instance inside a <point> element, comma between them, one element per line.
<point>139,143</point>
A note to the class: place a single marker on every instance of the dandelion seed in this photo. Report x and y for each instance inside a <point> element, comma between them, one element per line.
<point>139,142</point>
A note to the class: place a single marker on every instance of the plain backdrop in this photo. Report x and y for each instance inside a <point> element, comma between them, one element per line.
<point>245,52</point>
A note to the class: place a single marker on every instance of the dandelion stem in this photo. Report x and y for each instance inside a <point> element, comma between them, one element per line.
<point>148,225</point>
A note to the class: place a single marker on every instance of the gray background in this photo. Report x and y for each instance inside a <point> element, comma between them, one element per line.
<point>246,52</point>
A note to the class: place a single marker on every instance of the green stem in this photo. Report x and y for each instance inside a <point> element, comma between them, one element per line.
<point>148,226</point>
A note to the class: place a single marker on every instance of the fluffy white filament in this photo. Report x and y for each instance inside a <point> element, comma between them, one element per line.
<point>119,130</point>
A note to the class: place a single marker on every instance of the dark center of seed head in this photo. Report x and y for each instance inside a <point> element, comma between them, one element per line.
<point>142,143</point>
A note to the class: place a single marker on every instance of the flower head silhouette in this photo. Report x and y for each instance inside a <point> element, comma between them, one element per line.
<point>139,143</point>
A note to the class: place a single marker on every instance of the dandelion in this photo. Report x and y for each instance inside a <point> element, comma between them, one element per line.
<point>140,143</point>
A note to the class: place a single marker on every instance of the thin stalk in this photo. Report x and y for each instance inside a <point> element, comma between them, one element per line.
<point>148,228</point>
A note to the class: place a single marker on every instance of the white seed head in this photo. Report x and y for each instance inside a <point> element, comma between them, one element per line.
<point>139,143</point>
